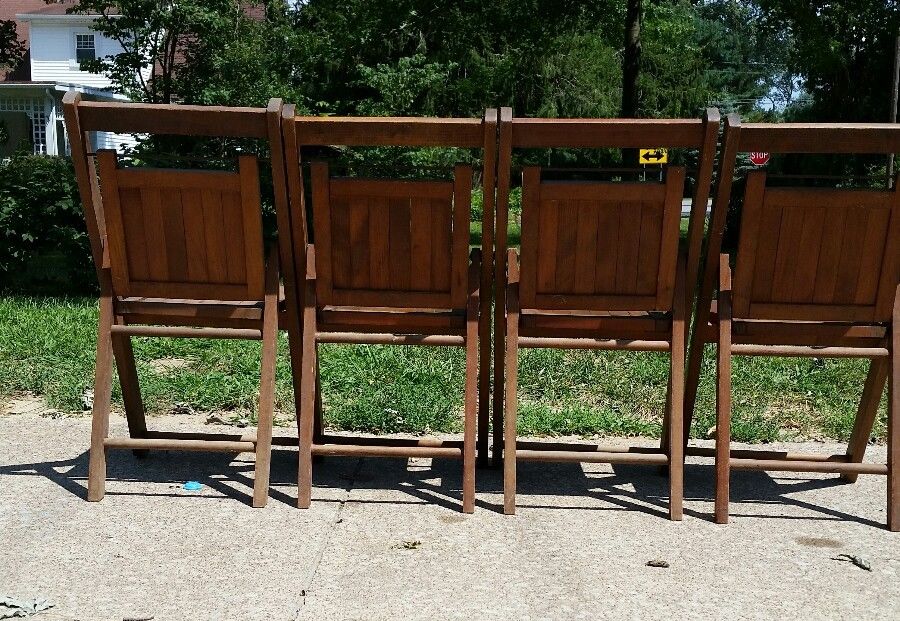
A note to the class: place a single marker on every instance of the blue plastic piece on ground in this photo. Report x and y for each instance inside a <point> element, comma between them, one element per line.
<point>193,486</point>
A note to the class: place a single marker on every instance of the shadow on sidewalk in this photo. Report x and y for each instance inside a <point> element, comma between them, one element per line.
<point>626,488</point>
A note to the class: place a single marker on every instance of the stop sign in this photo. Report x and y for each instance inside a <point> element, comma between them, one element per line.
<point>759,158</point>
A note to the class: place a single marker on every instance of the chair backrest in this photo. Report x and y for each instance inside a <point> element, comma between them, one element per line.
<point>194,234</point>
<point>391,243</point>
<point>604,245</point>
<point>810,254</point>
<point>816,254</point>
<point>174,233</point>
<point>599,245</point>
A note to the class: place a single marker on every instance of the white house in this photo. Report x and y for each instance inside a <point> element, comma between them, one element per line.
<point>31,97</point>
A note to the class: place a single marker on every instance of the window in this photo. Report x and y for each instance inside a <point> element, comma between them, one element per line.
<point>84,48</point>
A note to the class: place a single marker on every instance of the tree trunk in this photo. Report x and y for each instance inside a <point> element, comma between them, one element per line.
<point>631,59</point>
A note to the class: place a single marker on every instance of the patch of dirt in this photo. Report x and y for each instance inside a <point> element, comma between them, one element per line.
<point>166,366</point>
<point>820,542</point>
<point>27,403</point>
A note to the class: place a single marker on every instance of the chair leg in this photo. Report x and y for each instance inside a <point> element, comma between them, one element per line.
<point>484,381</point>
<point>497,411</point>
<point>306,416</point>
<point>472,413</point>
<point>131,389</point>
<point>893,431</point>
<point>102,399</point>
<point>866,414</point>
<point>266,405</point>
<point>509,418</point>
<point>723,412</point>
<point>676,420</point>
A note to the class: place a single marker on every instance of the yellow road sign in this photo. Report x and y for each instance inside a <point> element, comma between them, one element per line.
<point>654,156</point>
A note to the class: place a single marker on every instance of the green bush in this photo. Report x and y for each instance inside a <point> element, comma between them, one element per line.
<point>44,245</point>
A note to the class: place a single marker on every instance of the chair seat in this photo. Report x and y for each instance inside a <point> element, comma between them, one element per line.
<point>185,312</point>
<point>594,324</point>
<point>373,320</point>
<point>790,332</point>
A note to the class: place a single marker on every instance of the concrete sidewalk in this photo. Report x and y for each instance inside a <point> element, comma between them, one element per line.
<point>384,540</point>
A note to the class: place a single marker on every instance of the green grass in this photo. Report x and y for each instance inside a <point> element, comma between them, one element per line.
<point>47,347</point>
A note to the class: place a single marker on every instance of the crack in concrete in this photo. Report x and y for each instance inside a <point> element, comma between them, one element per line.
<point>326,540</point>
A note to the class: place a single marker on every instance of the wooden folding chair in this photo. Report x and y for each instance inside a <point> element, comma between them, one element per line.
<point>600,269</point>
<point>390,264</point>
<point>816,275</point>
<point>179,253</point>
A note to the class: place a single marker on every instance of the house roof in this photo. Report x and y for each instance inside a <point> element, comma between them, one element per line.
<point>57,7</point>
<point>10,8</point>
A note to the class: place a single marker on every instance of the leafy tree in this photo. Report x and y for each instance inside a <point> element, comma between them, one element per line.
<point>12,51</point>
<point>167,45</point>
<point>843,52</point>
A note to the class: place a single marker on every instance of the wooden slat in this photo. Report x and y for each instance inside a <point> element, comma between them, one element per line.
<point>381,236</point>
<point>871,253</point>
<point>133,223</point>
<point>851,257</point>
<point>441,220</point>
<point>172,119</point>
<point>829,254</point>
<point>153,230</point>
<point>173,232</point>
<point>785,258</point>
<point>254,271</point>
<point>566,239</point>
<point>326,215</point>
<point>214,236</point>
<point>593,343</point>
<point>668,252</point>
<point>628,257</point>
<point>390,131</point>
<point>459,266</point>
<point>820,137</point>
<point>804,198</point>
<point>420,244</point>
<point>177,179</point>
<point>585,246</point>
<point>337,261</point>
<point>338,319</point>
<point>608,248</point>
<point>537,223</point>
<point>595,302</point>
<point>158,119</point>
<point>810,312</point>
<point>359,242</point>
<point>390,188</point>
<point>400,243</point>
<point>534,133</point>
<point>547,218</point>
<point>381,298</point>
<point>750,241</point>
<point>808,250</point>
<point>235,248</point>
<point>189,290</point>
<point>195,234</point>
<point>651,241</point>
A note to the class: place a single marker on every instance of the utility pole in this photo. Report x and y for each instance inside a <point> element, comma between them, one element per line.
<point>895,79</point>
<point>631,68</point>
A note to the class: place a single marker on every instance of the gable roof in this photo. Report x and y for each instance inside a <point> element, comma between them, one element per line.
<point>56,7</point>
